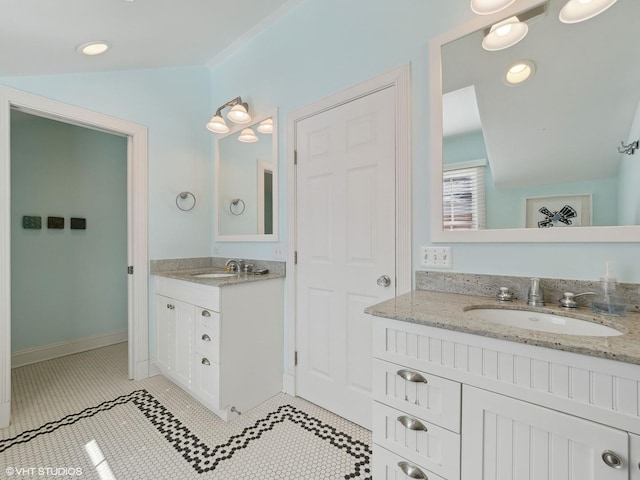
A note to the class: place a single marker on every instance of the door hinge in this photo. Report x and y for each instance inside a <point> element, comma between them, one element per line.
<point>295,359</point>
<point>295,157</point>
<point>130,269</point>
<point>295,258</point>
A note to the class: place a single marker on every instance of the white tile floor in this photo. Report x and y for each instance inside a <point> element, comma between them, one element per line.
<point>80,417</point>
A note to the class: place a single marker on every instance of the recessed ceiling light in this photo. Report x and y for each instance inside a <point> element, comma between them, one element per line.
<point>519,72</point>
<point>93,48</point>
<point>576,11</point>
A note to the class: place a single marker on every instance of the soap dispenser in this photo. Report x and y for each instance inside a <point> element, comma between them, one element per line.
<point>607,302</point>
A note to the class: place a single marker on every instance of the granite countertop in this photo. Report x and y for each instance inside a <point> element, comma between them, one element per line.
<point>188,276</point>
<point>448,311</point>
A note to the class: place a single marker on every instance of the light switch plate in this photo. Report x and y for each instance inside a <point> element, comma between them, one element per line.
<point>436,257</point>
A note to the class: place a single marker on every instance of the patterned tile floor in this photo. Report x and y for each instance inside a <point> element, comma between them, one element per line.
<point>80,417</point>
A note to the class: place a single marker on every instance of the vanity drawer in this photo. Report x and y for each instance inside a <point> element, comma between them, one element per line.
<point>389,466</point>
<point>422,395</point>
<point>206,382</point>
<point>420,442</point>
<point>207,340</point>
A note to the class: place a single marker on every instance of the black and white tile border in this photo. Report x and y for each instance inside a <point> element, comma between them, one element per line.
<point>202,457</point>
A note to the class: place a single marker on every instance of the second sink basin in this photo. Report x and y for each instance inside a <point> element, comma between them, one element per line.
<point>543,322</point>
<point>214,275</point>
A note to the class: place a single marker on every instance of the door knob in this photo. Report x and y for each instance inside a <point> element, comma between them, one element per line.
<point>384,281</point>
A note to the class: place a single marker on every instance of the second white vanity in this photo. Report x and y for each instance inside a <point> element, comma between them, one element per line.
<point>459,398</point>
<point>221,339</point>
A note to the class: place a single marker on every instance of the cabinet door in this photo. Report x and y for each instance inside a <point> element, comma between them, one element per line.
<point>165,326</point>
<point>183,342</point>
<point>504,438</point>
<point>634,455</point>
<point>206,384</point>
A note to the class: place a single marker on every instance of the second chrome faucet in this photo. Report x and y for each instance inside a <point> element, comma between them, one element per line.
<point>535,297</point>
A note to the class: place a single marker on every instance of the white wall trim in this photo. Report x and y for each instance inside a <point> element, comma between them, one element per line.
<point>289,384</point>
<point>61,349</point>
<point>154,369</point>
<point>136,232</point>
<point>399,79</point>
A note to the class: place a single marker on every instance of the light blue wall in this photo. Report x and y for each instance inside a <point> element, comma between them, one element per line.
<point>174,103</point>
<point>67,284</point>
<point>629,173</point>
<point>506,206</point>
<point>238,170</point>
<point>325,46</point>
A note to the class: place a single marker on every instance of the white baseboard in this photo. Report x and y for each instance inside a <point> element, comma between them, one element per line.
<point>289,384</point>
<point>55,350</point>
<point>5,411</point>
<point>154,369</point>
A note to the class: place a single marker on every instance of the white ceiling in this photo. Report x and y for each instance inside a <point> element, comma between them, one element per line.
<point>565,123</point>
<point>41,36</point>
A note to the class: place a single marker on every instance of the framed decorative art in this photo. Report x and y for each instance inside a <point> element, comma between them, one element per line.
<point>558,211</point>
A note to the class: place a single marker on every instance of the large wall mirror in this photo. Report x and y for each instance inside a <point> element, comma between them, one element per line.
<point>546,149</point>
<point>247,183</point>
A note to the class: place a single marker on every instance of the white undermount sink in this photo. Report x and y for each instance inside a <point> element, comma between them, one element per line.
<point>542,322</point>
<point>214,275</point>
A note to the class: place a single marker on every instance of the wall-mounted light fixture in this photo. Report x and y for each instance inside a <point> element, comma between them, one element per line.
<point>248,136</point>
<point>239,113</point>
<point>266,126</point>
<point>487,7</point>
<point>505,34</point>
<point>576,11</point>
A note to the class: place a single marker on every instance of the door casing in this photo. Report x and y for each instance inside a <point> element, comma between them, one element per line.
<point>137,250</point>
<point>399,79</point>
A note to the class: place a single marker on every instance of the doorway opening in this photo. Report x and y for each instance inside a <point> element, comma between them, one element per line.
<point>68,238</point>
<point>135,137</point>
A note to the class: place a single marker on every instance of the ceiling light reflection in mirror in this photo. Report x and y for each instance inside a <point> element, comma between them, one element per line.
<point>557,133</point>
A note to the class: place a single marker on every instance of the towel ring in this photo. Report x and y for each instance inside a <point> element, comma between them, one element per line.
<point>237,206</point>
<point>189,204</point>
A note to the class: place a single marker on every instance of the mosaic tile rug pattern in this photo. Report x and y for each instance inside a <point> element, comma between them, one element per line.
<point>79,417</point>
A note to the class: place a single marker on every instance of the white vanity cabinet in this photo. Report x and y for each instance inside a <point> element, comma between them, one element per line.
<point>489,409</point>
<point>224,345</point>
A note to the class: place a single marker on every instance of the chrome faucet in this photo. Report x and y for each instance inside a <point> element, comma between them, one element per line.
<point>535,297</point>
<point>235,265</point>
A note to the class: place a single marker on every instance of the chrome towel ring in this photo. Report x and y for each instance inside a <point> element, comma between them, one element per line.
<point>185,201</point>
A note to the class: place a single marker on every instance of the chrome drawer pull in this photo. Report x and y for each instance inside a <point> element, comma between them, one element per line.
<point>412,423</point>
<point>611,459</point>
<point>412,471</point>
<point>205,313</point>
<point>206,338</point>
<point>411,376</point>
<point>206,362</point>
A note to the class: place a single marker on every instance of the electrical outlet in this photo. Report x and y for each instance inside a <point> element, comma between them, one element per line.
<point>279,253</point>
<point>436,257</point>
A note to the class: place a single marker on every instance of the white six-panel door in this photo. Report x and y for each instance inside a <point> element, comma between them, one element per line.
<point>345,200</point>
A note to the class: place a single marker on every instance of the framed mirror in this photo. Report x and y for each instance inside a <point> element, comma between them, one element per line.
<point>546,149</point>
<point>246,171</point>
